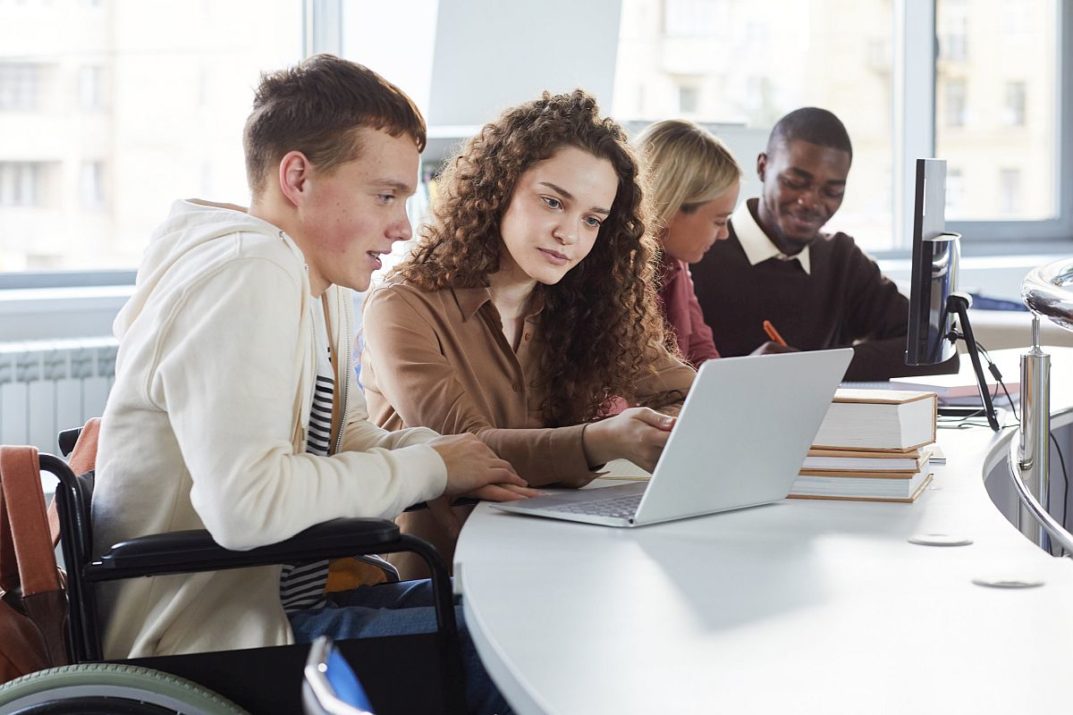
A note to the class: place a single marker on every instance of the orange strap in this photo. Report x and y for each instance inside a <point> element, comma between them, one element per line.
<point>24,504</point>
<point>9,570</point>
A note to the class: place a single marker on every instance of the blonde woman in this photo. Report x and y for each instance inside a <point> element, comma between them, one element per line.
<point>693,183</point>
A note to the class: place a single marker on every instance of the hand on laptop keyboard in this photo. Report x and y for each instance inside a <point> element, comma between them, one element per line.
<point>637,434</point>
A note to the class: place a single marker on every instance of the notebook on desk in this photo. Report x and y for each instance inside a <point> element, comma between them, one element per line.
<point>957,390</point>
<point>739,441</point>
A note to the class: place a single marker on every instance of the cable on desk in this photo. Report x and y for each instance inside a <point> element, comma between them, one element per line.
<point>1065,480</point>
<point>963,422</point>
<point>997,374</point>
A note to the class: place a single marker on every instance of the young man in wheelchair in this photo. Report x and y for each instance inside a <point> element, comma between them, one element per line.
<point>235,408</point>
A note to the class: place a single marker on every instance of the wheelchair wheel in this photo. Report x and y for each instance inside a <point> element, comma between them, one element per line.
<point>109,688</point>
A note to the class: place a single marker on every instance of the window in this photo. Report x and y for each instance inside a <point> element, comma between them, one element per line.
<point>118,87</point>
<point>997,66</point>
<point>748,63</point>
<point>954,31</point>
<point>408,65</point>
<point>954,102</point>
<point>1015,104</point>
<point>20,86</point>
<point>760,98</point>
<point>1009,175</point>
<point>144,102</point>
<point>688,99</point>
<point>955,191</point>
<point>690,18</point>
<point>92,184</point>
<point>1009,191</point>
<point>91,88</point>
<point>20,183</point>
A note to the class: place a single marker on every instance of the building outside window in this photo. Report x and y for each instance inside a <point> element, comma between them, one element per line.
<point>109,111</point>
<point>20,86</point>
<point>692,18</point>
<point>1007,175</point>
<point>20,183</point>
<point>954,33</point>
<point>86,116</point>
<point>749,63</point>
<point>1009,191</point>
<point>955,101</point>
<point>91,185</point>
<point>1015,104</point>
<point>955,191</point>
<point>688,99</point>
<point>91,90</point>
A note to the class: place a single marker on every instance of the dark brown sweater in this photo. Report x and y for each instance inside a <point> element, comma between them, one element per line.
<point>845,301</point>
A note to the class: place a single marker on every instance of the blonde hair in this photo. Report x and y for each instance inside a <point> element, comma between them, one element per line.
<point>685,167</point>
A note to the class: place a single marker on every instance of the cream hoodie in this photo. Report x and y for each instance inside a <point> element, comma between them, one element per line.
<point>205,429</point>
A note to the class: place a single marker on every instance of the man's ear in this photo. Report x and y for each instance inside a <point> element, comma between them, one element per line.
<point>294,174</point>
<point>761,164</point>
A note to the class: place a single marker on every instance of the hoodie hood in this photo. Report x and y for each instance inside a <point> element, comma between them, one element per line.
<point>191,233</point>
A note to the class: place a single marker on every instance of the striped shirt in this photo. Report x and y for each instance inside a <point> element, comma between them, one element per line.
<point>301,586</point>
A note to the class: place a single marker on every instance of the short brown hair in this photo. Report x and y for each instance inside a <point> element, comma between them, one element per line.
<point>316,108</point>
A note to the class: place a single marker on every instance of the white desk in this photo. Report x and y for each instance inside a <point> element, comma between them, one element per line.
<point>800,606</point>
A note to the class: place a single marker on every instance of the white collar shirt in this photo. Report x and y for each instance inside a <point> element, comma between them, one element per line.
<point>756,244</point>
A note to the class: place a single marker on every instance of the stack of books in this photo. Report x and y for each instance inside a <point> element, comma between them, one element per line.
<point>873,445</point>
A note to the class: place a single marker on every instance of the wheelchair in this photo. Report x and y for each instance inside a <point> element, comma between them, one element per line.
<point>402,674</point>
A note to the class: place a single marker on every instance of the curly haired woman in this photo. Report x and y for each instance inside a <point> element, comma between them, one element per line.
<point>527,313</point>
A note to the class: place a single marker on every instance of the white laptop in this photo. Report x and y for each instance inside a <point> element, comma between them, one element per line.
<point>739,441</point>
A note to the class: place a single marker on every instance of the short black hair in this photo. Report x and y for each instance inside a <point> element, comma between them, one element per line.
<point>812,125</point>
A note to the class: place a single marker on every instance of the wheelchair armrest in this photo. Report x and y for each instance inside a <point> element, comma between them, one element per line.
<point>195,551</point>
<point>67,439</point>
<point>460,501</point>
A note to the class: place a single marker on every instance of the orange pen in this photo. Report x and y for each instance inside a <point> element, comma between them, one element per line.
<point>773,334</point>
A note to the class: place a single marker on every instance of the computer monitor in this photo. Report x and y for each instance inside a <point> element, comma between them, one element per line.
<point>936,255</point>
<point>938,314</point>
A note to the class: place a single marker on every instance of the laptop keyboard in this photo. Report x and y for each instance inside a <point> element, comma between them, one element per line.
<point>619,507</point>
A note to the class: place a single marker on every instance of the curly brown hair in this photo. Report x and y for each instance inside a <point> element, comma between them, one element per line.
<point>601,320</point>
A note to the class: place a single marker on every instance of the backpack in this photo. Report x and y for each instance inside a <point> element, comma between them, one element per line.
<point>33,605</point>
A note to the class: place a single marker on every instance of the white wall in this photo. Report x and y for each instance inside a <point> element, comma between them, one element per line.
<point>474,79</point>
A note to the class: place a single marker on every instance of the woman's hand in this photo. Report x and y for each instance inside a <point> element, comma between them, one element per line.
<point>637,434</point>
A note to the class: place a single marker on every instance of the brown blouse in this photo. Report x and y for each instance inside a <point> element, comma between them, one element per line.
<point>439,359</point>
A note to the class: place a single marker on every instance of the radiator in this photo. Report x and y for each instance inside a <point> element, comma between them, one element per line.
<point>51,385</point>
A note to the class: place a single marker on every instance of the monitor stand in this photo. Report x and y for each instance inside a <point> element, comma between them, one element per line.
<point>958,304</point>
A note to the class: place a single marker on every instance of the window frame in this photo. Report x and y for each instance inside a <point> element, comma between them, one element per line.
<point>914,102</point>
<point>1053,234</point>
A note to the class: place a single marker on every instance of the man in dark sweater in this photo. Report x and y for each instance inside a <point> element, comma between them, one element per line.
<point>819,290</point>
